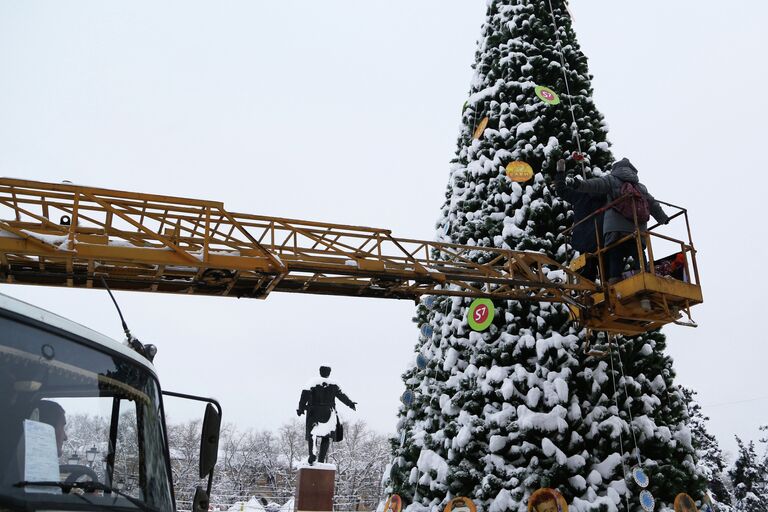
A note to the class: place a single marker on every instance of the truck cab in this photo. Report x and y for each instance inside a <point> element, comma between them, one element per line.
<point>83,422</point>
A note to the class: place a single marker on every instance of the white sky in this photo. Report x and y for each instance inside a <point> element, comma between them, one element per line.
<point>348,112</point>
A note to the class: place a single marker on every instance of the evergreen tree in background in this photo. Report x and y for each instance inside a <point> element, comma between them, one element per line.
<point>709,456</point>
<point>496,415</point>
<point>750,481</point>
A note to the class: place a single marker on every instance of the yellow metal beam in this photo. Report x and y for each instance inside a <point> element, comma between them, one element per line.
<point>178,245</point>
<point>165,244</point>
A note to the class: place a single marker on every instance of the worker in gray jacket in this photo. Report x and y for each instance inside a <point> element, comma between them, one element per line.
<point>616,225</point>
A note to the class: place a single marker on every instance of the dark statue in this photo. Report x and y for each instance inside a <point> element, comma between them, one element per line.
<point>319,402</point>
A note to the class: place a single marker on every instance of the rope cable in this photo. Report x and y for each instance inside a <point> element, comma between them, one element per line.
<point>575,125</point>
<point>629,408</point>
<point>618,408</point>
<point>575,128</point>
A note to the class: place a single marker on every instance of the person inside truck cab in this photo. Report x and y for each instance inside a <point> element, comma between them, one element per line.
<point>53,414</point>
<point>12,451</point>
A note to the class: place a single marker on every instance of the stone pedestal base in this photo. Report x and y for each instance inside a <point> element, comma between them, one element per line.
<point>314,488</point>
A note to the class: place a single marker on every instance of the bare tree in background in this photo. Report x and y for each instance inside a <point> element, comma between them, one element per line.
<point>251,462</point>
<point>258,463</point>
<point>84,431</point>
<point>360,462</point>
<point>184,441</point>
<point>238,453</point>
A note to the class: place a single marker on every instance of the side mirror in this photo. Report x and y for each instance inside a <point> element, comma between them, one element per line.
<point>209,442</point>
<point>201,501</point>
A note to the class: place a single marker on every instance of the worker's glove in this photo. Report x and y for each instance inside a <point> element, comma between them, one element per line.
<point>561,165</point>
<point>299,412</point>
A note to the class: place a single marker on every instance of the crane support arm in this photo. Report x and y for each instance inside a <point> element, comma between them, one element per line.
<point>71,235</point>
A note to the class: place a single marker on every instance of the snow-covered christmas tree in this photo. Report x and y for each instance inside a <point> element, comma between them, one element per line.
<point>495,415</point>
<point>710,458</point>
<point>749,476</point>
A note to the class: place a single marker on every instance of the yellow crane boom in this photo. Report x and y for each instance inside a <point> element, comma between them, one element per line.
<point>71,235</point>
<point>60,234</point>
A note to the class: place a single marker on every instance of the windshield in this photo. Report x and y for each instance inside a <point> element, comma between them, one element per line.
<point>82,422</point>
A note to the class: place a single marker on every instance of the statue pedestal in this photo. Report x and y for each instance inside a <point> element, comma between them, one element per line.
<point>314,488</point>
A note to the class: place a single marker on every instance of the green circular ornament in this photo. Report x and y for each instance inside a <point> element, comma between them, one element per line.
<point>547,95</point>
<point>480,314</point>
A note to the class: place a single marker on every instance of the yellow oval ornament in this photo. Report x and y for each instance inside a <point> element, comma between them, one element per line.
<point>547,500</point>
<point>480,128</point>
<point>519,171</point>
<point>684,503</point>
<point>461,504</point>
<point>393,504</point>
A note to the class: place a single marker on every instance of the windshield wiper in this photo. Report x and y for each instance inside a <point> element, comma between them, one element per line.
<point>88,487</point>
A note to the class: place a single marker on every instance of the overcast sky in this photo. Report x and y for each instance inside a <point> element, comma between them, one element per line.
<point>347,111</point>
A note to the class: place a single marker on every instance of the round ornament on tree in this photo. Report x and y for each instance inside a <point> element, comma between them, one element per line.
<point>640,477</point>
<point>647,501</point>
<point>461,504</point>
<point>480,314</point>
<point>547,95</point>
<point>684,503</point>
<point>519,171</point>
<point>394,504</point>
<point>480,128</point>
<point>547,499</point>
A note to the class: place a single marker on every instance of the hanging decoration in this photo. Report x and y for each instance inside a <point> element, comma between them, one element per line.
<point>426,330</point>
<point>394,503</point>
<point>421,361</point>
<point>547,500</point>
<point>684,503</point>
<point>519,171</point>
<point>407,397</point>
<point>640,478</point>
<point>647,501</point>
<point>480,128</point>
<point>461,504</point>
<point>547,95</point>
<point>480,314</point>
<point>578,156</point>
<point>429,300</point>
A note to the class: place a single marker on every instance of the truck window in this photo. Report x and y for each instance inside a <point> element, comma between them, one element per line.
<point>76,412</point>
